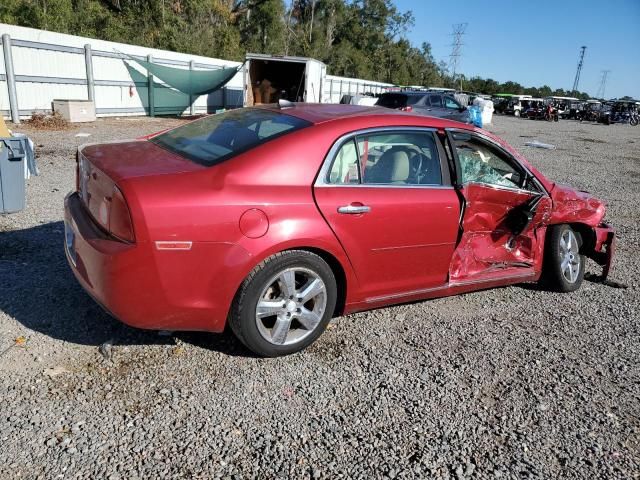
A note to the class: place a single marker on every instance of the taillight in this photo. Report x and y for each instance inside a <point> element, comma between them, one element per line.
<point>408,108</point>
<point>120,224</point>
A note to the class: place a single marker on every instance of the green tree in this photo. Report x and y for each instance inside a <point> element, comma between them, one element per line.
<point>262,27</point>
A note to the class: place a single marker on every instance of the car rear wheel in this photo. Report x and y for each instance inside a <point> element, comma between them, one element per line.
<point>563,263</point>
<point>285,304</point>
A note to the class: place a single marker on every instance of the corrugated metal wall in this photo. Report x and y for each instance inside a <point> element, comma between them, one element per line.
<point>49,65</point>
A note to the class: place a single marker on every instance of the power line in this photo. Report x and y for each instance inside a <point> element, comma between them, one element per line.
<point>603,83</point>
<point>580,62</point>
<point>459,30</point>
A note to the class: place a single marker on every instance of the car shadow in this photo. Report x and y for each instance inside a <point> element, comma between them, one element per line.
<point>38,289</point>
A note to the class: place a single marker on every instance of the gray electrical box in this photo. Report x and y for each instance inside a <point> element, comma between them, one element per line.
<point>16,160</point>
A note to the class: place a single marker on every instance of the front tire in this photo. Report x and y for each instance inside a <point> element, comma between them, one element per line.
<point>284,304</point>
<point>563,268</point>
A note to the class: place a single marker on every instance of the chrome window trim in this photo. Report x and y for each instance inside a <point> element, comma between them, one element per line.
<point>501,148</point>
<point>381,185</point>
<point>337,145</point>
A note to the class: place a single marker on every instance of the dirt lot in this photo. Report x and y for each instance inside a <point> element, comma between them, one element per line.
<point>512,383</point>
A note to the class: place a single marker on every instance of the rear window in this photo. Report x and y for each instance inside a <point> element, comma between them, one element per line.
<point>398,100</point>
<point>216,138</point>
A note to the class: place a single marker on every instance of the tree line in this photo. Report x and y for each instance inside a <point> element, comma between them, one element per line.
<point>355,38</point>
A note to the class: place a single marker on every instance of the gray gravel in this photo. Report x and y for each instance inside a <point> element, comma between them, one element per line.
<point>506,383</point>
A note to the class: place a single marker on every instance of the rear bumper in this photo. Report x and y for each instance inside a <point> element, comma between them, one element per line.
<point>603,248</point>
<point>147,288</point>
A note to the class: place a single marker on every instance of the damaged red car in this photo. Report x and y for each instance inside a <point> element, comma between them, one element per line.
<point>276,219</point>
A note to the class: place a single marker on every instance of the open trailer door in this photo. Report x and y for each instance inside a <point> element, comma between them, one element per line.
<point>314,76</point>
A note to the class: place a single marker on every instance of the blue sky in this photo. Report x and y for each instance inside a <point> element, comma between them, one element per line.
<point>537,43</point>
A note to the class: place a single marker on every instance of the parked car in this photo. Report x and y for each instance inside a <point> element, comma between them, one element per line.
<point>432,104</point>
<point>274,220</point>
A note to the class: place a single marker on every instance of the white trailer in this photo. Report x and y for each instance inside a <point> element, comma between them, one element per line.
<point>268,78</point>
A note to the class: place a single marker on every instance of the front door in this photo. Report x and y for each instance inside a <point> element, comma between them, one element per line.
<point>505,214</point>
<point>393,209</point>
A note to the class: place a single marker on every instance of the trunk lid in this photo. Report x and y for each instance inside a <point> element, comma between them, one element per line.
<point>136,158</point>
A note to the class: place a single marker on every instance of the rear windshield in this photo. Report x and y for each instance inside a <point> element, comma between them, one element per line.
<point>398,100</point>
<point>216,138</point>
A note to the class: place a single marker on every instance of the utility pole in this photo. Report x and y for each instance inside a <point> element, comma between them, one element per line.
<point>603,83</point>
<point>456,49</point>
<point>580,62</point>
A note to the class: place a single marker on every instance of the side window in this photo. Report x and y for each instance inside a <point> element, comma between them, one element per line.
<point>436,101</point>
<point>451,103</point>
<point>403,158</point>
<point>480,163</point>
<point>344,170</point>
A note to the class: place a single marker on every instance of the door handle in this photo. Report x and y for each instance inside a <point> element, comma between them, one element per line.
<point>354,209</point>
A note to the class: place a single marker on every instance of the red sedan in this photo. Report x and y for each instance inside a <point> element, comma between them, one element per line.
<point>275,219</point>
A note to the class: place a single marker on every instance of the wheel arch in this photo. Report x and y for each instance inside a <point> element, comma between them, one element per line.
<point>338,273</point>
<point>586,235</point>
<point>335,264</point>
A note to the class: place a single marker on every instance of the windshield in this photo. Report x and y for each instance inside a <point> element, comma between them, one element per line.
<point>216,138</point>
<point>398,100</point>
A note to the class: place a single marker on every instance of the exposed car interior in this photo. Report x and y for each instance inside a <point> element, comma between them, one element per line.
<point>480,163</point>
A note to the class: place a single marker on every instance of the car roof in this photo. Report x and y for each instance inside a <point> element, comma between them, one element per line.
<point>318,113</point>
<point>404,93</point>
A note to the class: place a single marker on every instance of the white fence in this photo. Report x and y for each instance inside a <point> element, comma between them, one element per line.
<point>335,87</point>
<point>48,65</point>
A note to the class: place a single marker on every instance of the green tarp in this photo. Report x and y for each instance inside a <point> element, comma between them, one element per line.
<point>191,82</point>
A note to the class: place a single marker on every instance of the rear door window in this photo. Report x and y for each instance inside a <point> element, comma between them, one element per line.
<point>345,169</point>
<point>397,100</point>
<point>215,138</point>
<point>435,101</point>
<point>387,158</point>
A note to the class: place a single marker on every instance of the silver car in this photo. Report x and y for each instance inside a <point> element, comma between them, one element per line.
<point>432,104</point>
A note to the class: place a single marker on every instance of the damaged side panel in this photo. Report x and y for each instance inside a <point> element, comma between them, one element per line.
<point>585,213</point>
<point>502,233</point>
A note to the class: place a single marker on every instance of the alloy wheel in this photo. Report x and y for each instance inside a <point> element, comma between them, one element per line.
<point>291,306</point>
<point>570,256</point>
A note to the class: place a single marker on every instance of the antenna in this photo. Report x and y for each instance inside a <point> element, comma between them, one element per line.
<point>459,30</point>
<point>580,62</point>
<point>603,83</point>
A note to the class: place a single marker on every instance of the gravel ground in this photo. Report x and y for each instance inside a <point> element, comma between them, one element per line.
<point>506,383</point>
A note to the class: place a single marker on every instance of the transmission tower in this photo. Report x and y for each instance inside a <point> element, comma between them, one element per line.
<point>456,49</point>
<point>603,83</point>
<point>580,61</point>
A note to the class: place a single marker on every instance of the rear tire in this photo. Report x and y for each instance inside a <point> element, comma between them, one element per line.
<point>284,304</point>
<point>563,267</point>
